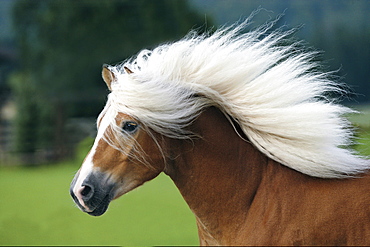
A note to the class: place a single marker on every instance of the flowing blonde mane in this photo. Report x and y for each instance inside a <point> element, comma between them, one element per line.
<point>273,91</point>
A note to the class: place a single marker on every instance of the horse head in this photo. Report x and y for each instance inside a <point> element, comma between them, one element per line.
<point>118,161</point>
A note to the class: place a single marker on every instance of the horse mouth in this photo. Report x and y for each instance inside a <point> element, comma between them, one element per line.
<point>102,207</point>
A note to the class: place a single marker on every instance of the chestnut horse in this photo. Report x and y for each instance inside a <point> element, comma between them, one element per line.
<point>242,124</point>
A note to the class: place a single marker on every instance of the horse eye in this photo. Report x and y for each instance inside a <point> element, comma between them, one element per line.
<point>129,127</point>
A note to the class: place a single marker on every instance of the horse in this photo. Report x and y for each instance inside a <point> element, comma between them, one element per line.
<point>243,124</point>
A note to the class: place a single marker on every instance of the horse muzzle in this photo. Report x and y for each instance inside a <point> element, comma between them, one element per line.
<point>94,194</point>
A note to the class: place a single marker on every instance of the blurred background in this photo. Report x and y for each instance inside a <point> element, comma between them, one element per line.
<point>51,91</point>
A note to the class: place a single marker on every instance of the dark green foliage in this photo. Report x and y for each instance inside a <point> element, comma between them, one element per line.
<point>63,45</point>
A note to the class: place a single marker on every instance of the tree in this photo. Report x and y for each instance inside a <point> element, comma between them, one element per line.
<point>63,45</point>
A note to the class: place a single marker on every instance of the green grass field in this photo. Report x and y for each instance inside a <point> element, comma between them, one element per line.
<point>36,208</point>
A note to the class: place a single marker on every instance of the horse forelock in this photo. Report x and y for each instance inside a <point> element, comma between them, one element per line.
<point>274,92</point>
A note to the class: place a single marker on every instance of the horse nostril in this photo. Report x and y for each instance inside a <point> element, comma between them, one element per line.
<point>86,192</point>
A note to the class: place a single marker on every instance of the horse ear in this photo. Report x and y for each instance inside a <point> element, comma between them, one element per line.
<point>108,76</point>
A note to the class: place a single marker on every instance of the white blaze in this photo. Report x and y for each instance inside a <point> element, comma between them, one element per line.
<point>88,165</point>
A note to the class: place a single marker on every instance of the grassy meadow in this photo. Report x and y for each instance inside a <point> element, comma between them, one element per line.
<point>36,208</point>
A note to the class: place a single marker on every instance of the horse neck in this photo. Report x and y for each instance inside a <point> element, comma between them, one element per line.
<point>217,174</point>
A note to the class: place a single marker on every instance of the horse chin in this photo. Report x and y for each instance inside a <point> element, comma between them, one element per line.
<point>100,210</point>
<point>102,207</point>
